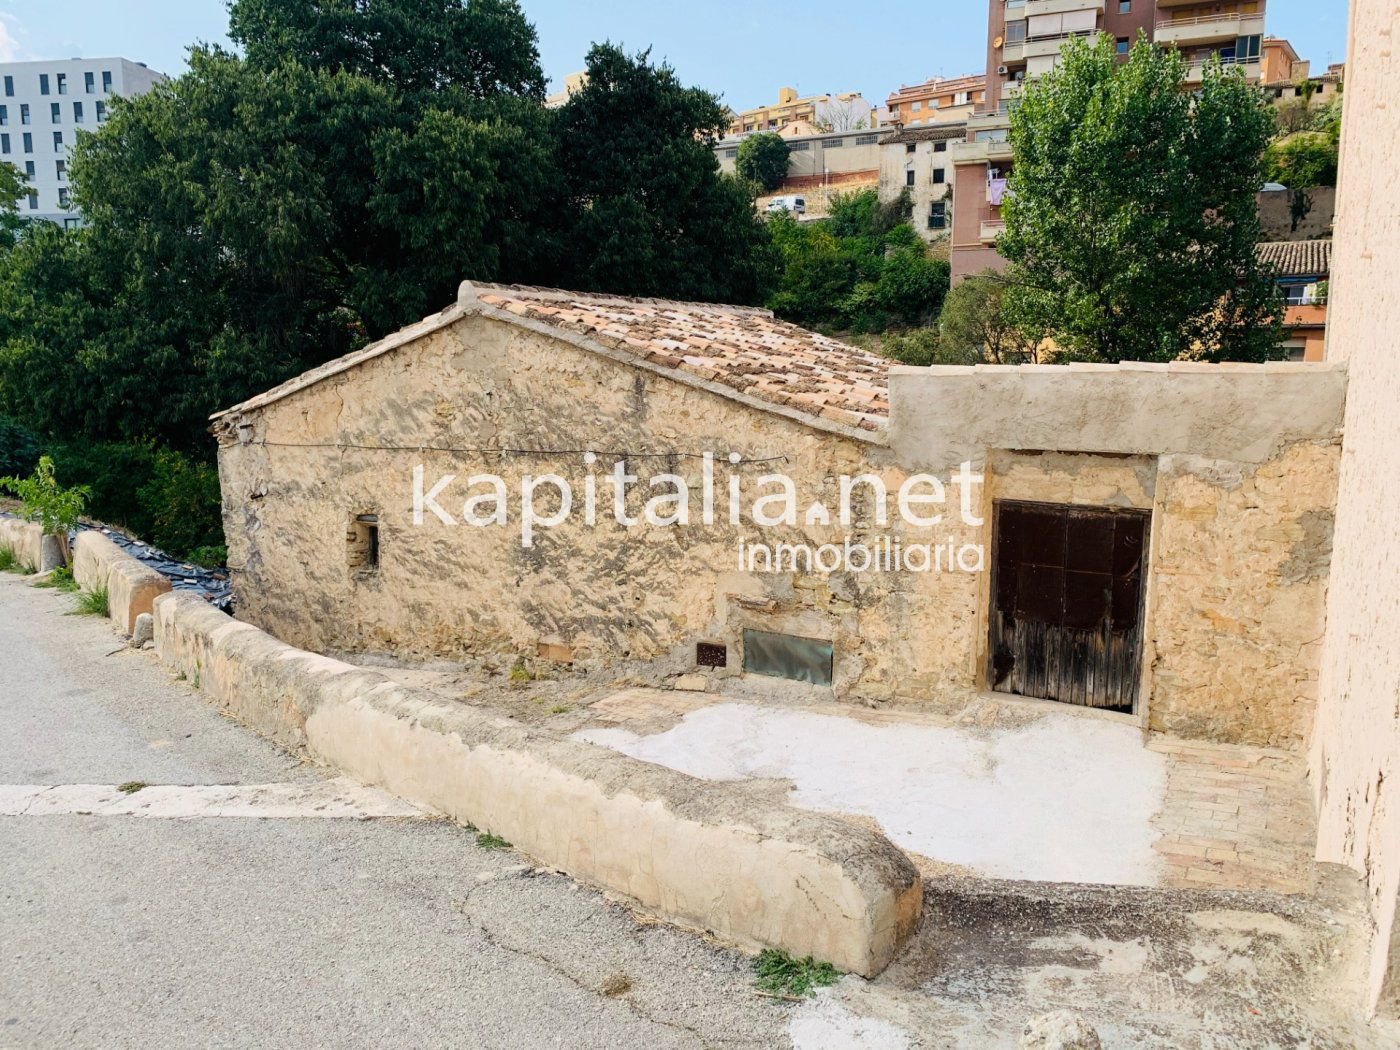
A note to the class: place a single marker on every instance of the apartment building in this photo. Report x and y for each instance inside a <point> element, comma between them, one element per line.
<point>848,111</point>
<point>820,165</point>
<point>43,107</point>
<point>941,100</point>
<point>573,84</point>
<point>1024,38</point>
<point>917,160</point>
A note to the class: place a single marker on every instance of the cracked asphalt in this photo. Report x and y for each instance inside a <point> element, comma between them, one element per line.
<point>117,931</point>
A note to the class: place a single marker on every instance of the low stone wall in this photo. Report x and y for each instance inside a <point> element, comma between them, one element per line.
<point>131,587</point>
<point>718,856</point>
<point>26,539</point>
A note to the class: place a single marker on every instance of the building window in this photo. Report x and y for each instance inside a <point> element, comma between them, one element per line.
<point>101,111</point>
<point>61,168</point>
<point>4,143</point>
<point>938,216</point>
<point>940,147</point>
<point>33,201</point>
<point>1015,32</point>
<point>24,113</point>
<point>909,177</point>
<point>43,83</point>
<point>938,176</point>
<point>788,656</point>
<point>867,140</point>
<point>58,140</point>
<point>63,83</point>
<point>63,196</point>
<point>77,112</point>
<point>4,115</point>
<point>29,169</point>
<point>1122,44</point>
<point>89,83</point>
<point>70,224</point>
<point>9,87</point>
<point>1125,7</point>
<point>731,153</point>
<point>800,147</point>
<point>909,147</point>
<point>363,541</point>
<point>28,142</point>
<point>55,112</point>
<point>1247,49</point>
<point>106,81</point>
<point>915,106</point>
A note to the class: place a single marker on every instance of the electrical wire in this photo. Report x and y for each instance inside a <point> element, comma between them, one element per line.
<point>346,445</point>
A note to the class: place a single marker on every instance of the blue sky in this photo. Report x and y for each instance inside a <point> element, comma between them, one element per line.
<point>743,50</point>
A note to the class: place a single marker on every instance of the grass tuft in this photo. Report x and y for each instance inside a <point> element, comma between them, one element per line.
<point>61,579</point>
<point>92,603</point>
<point>8,561</point>
<point>778,973</point>
<point>132,786</point>
<point>489,840</point>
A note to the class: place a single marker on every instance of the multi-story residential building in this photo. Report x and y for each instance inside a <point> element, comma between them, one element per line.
<point>1024,38</point>
<point>573,84</point>
<point>937,101</point>
<point>1302,269</point>
<point>848,111</point>
<point>1289,80</point>
<point>43,107</point>
<point>917,160</point>
<point>820,165</point>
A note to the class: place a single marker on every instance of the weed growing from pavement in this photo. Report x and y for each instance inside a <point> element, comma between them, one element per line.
<point>489,840</point>
<point>131,787</point>
<point>8,561</point>
<point>778,973</point>
<point>61,579</point>
<point>616,984</point>
<point>560,709</point>
<point>92,603</point>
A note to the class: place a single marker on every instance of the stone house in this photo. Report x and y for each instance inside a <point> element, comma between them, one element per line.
<point>1151,540</point>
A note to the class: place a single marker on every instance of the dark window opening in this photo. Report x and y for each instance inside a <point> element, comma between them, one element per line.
<point>787,656</point>
<point>708,654</point>
<point>909,178</point>
<point>363,539</point>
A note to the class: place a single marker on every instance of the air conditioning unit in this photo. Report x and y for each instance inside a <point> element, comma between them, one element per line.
<point>1002,70</point>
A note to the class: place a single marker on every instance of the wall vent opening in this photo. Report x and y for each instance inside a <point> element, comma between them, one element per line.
<point>787,656</point>
<point>708,654</point>
<point>363,540</point>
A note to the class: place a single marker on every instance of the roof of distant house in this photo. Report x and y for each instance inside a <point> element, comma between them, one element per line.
<point>740,352</point>
<point>947,130</point>
<point>1297,258</point>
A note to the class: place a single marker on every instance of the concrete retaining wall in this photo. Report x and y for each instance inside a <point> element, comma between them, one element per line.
<point>714,855</point>
<point>131,587</point>
<point>26,539</point>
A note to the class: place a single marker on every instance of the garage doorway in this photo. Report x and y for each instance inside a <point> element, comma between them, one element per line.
<point>1067,603</point>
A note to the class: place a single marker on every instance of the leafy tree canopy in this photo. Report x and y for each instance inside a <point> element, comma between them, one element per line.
<point>763,160</point>
<point>1131,215</point>
<point>1303,160</point>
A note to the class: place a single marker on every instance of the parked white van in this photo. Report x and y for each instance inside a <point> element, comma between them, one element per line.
<point>796,205</point>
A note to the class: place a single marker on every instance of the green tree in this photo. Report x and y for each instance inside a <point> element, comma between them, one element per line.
<point>13,187</point>
<point>1302,162</point>
<point>763,160</point>
<point>648,211</point>
<point>974,329</point>
<point>1131,217</point>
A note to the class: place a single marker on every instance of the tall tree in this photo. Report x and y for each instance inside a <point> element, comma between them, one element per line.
<point>1131,217</point>
<point>649,211</point>
<point>763,160</point>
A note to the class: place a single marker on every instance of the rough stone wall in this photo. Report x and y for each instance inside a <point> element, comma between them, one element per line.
<point>607,593</point>
<point>1356,749</point>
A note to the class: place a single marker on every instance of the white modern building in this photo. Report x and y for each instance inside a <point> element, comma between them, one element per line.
<point>43,107</point>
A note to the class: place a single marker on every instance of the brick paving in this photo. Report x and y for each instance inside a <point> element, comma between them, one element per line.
<point>1235,818</point>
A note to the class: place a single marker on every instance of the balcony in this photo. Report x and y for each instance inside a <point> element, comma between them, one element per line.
<point>1059,7</point>
<point>990,121</point>
<point>1196,71</point>
<point>991,230</point>
<point>1208,28</point>
<point>1049,45</point>
<point>983,152</point>
<point>1013,52</point>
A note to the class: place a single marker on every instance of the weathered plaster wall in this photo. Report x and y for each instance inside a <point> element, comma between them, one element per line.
<point>720,856</point>
<point>1356,749</point>
<point>293,484</point>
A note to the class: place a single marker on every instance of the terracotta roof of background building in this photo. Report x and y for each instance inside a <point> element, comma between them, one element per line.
<point>1297,258</point>
<point>743,348</point>
<point>949,130</point>
<point>742,351</point>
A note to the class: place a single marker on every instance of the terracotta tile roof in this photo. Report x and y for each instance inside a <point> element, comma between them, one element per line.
<point>1297,258</point>
<point>745,349</point>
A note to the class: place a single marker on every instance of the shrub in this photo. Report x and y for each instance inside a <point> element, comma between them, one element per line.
<point>182,502</point>
<point>113,472</point>
<point>779,973</point>
<point>918,347</point>
<point>8,561</point>
<point>44,500</point>
<point>92,603</point>
<point>763,159</point>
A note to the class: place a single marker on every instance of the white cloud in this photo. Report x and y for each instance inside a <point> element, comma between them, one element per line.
<point>10,48</point>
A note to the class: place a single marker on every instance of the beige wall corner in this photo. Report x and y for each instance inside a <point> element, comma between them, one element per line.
<point>131,587</point>
<point>26,540</point>
<point>712,855</point>
<point>1356,744</point>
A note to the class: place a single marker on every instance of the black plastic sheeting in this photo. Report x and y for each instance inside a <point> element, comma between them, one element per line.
<point>210,584</point>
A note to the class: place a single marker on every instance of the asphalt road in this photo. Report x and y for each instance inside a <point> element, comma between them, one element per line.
<point>217,931</point>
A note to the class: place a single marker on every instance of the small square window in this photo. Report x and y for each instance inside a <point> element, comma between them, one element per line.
<point>1121,45</point>
<point>938,216</point>
<point>940,147</point>
<point>938,176</point>
<point>909,147</point>
<point>1125,6</point>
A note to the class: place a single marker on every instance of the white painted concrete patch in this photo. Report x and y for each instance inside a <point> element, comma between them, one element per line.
<point>338,797</point>
<point>824,1023</point>
<point>1064,799</point>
